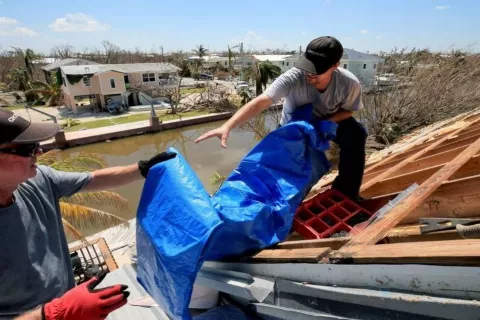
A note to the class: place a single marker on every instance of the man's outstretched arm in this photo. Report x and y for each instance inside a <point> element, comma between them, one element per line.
<point>245,113</point>
<point>113,177</point>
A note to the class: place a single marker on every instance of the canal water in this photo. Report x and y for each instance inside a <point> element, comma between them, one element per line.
<point>206,157</point>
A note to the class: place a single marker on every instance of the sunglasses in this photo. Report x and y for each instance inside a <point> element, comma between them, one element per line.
<point>23,150</point>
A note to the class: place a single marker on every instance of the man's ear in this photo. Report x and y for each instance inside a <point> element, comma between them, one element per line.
<point>336,65</point>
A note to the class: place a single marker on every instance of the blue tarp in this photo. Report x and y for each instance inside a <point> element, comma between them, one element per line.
<point>179,226</point>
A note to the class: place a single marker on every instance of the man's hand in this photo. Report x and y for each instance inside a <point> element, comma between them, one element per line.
<point>145,165</point>
<point>84,302</point>
<point>221,133</point>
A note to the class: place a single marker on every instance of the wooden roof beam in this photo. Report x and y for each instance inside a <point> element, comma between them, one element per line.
<point>451,252</point>
<point>380,228</point>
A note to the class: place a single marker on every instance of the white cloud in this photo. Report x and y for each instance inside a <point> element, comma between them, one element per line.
<point>78,22</point>
<point>253,40</point>
<point>379,37</point>
<point>363,31</point>
<point>441,7</point>
<point>6,20</point>
<point>9,27</point>
<point>21,31</point>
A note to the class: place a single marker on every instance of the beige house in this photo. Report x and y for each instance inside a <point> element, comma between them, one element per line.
<point>103,84</point>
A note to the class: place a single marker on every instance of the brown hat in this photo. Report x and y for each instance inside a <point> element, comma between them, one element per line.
<point>15,129</point>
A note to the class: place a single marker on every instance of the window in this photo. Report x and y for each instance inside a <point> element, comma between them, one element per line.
<point>148,77</point>
<point>364,66</point>
<point>374,66</point>
<point>226,62</point>
<point>163,76</point>
<point>345,66</point>
<point>288,63</point>
<point>86,81</point>
<point>283,63</point>
<point>112,83</point>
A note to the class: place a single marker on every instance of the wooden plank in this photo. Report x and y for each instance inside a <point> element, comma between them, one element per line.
<point>452,144</point>
<point>411,158</point>
<point>453,199</point>
<point>397,156</point>
<point>449,144</point>
<point>472,130</point>
<point>430,161</point>
<point>452,252</point>
<point>396,235</point>
<point>107,255</point>
<point>306,255</point>
<point>377,230</point>
<point>403,181</point>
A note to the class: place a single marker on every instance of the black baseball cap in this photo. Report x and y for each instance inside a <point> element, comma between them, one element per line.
<point>15,129</point>
<point>321,54</point>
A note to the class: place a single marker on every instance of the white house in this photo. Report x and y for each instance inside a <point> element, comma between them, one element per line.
<point>364,66</point>
<point>280,60</point>
<point>212,61</point>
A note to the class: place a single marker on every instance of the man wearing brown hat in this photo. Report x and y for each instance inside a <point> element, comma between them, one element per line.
<point>335,94</point>
<point>36,277</point>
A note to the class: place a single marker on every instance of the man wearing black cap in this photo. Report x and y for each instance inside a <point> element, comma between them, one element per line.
<point>35,269</point>
<point>335,94</point>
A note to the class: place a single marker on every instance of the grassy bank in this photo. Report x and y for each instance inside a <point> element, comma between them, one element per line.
<point>130,118</point>
<point>12,108</point>
<point>192,90</point>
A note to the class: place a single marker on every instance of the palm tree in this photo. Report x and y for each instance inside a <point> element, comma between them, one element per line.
<point>201,51</point>
<point>18,79</point>
<point>28,57</point>
<point>76,213</point>
<point>264,71</point>
<point>50,92</point>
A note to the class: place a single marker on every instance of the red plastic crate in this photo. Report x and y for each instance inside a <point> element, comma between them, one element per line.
<point>329,213</point>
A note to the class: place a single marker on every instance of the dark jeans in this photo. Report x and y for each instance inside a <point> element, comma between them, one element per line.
<point>351,139</point>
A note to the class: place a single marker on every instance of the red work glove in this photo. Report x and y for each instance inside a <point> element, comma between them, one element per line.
<point>83,302</point>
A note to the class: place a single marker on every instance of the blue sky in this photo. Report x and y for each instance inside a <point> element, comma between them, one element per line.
<point>363,25</point>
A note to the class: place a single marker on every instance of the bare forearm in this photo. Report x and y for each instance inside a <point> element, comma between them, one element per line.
<point>248,111</point>
<point>33,315</point>
<point>340,116</point>
<point>113,177</point>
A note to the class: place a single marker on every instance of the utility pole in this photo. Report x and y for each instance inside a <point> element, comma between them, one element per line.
<point>161,48</point>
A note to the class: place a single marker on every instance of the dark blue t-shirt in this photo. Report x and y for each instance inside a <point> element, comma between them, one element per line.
<point>35,262</point>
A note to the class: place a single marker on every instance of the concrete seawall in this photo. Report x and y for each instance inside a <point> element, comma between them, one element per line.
<point>77,138</point>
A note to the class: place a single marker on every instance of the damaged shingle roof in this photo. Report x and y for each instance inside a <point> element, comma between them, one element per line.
<point>125,68</point>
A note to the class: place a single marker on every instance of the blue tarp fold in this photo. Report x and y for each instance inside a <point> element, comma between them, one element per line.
<point>179,226</point>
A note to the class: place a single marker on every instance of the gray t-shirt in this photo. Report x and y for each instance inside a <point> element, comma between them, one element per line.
<point>35,262</point>
<point>343,92</point>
